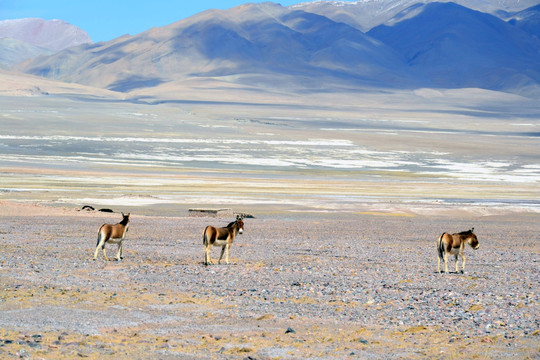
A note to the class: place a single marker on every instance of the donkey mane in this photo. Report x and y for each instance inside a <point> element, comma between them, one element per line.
<point>468,232</point>
<point>238,217</point>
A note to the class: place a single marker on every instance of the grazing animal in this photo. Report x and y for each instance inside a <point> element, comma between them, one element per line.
<point>223,237</point>
<point>455,244</point>
<point>112,234</point>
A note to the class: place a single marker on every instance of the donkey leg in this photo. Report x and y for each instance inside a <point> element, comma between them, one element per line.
<point>439,264</point>
<point>446,263</point>
<point>207,256</point>
<point>100,245</point>
<point>227,253</point>
<point>105,253</point>
<point>462,263</point>
<point>97,251</point>
<point>207,260</point>
<point>457,263</point>
<point>221,256</point>
<point>119,253</point>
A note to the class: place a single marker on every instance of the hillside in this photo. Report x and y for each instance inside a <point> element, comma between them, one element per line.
<point>15,51</point>
<point>268,46</point>
<point>456,47</point>
<point>366,14</point>
<point>23,39</point>
<point>255,41</point>
<point>527,20</point>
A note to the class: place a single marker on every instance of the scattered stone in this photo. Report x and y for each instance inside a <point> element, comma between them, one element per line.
<point>23,354</point>
<point>340,282</point>
<point>34,345</point>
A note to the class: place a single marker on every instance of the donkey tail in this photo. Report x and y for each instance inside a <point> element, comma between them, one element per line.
<point>204,237</point>
<point>99,235</point>
<point>440,246</point>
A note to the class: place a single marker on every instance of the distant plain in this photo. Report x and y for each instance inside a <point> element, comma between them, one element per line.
<point>406,152</point>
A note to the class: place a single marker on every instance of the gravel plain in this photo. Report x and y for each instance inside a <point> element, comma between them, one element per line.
<point>299,286</point>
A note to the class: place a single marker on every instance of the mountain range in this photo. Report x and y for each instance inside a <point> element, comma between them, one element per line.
<point>22,39</point>
<point>464,48</point>
<point>366,14</point>
<point>404,45</point>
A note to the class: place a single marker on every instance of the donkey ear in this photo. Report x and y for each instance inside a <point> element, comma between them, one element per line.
<point>472,230</point>
<point>123,214</point>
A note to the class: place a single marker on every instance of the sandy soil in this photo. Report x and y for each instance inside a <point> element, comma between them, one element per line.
<point>299,286</point>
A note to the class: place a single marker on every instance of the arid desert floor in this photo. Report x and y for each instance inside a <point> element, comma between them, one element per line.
<point>349,190</point>
<point>299,286</point>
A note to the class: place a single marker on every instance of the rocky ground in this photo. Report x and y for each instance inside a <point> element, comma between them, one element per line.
<point>299,287</point>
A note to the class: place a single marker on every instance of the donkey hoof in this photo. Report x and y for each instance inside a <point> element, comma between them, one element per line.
<point>462,272</point>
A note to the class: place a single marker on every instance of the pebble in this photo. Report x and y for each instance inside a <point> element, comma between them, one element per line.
<point>289,331</point>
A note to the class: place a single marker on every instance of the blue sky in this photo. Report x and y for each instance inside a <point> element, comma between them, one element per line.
<point>107,19</point>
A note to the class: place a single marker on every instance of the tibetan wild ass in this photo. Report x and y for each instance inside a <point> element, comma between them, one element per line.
<point>114,234</point>
<point>223,237</point>
<point>455,244</point>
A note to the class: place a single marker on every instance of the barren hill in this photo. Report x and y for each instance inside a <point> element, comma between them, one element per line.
<point>267,46</point>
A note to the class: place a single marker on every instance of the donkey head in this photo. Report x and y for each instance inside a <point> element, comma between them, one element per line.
<point>125,218</point>
<point>473,240</point>
<point>240,224</point>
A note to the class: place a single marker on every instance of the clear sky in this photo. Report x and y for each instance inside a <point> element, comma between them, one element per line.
<point>107,19</point>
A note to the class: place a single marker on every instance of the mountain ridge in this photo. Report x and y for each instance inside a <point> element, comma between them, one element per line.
<point>21,39</point>
<point>366,14</point>
<point>489,47</point>
<point>254,38</point>
<point>271,46</point>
